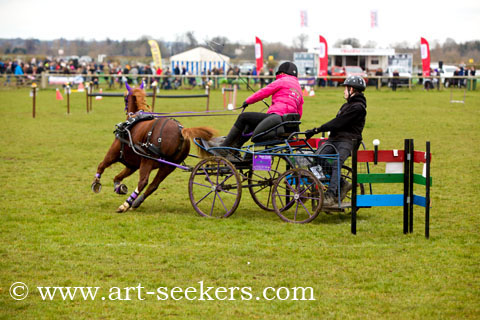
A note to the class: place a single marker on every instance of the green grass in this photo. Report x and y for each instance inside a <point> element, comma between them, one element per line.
<point>55,232</point>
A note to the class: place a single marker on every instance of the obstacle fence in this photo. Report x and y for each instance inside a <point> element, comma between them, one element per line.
<point>229,97</point>
<point>458,101</point>
<point>90,94</point>
<point>399,169</point>
<point>33,94</point>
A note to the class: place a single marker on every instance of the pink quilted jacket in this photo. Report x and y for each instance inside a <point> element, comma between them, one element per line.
<point>286,95</point>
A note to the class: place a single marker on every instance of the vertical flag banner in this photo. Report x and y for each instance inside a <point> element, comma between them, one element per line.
<point>425,54</point>
<point>259,53</point>
<point>156,55</point>
<point>303,18</point>
<point>374,19</point>
<point>323,57</point>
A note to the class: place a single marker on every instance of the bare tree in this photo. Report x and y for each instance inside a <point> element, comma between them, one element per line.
<point>354,42</point>
<point>218,44</point>
<point>191,40</point>
<point>370,44</point>
<point>300,41</point>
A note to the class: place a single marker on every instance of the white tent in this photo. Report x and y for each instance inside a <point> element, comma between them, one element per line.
<point>199,60</point>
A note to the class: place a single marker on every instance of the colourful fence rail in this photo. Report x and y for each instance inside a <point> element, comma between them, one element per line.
<point>408,178</point>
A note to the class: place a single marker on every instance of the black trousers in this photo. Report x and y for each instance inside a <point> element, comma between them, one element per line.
<point>248,121</point>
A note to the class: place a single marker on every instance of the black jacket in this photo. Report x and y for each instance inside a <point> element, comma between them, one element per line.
<point>350,120</point>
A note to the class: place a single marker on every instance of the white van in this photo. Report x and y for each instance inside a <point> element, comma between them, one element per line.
<point>404,75</point>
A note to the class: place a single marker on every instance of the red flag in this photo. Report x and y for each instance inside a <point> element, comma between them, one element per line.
<point>425,53</point>
<point>323,57</point>
<point>259,54</point>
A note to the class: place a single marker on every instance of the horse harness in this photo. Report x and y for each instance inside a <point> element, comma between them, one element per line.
<point>148,148</point>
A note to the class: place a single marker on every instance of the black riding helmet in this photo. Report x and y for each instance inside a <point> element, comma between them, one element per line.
<point>287,68</point>
<point>356,82</point>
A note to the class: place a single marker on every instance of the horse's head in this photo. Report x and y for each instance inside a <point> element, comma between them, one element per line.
<point>135,100</point>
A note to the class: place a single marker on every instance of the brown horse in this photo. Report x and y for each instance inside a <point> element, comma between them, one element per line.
<point>159,141</point>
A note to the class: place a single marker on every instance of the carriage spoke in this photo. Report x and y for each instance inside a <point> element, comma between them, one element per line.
<point>229,192</point>
<point>287,205</point>
<point>207,176</point>
<point>221,201</point>
<point>296,211</point>
<point>213,204</point>
<point>202,185</point>
<point>203,198</point>
<point>306,209</point>
<point>221,183</point>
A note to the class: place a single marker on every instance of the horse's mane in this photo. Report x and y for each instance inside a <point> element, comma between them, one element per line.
<point>141,101</point>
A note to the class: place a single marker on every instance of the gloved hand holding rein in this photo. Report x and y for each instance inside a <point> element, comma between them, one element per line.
<point>310,133</point>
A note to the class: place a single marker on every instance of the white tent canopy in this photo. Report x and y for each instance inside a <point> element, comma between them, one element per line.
<point>199,60</point>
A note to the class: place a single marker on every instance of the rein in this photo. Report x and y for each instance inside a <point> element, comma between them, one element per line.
<point>186,114</point>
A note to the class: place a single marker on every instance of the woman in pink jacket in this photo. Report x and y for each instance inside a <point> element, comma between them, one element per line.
<point>286,98</point>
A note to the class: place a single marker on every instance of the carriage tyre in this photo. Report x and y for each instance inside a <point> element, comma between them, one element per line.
<point>297,196</point>
<point>347,175</point>
<point>215,188</point>
<point>260,183</point>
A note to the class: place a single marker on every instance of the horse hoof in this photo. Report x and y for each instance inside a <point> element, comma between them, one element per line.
<point>138,201</point>
<point>96,186</point>
<point>123,208</point>
<point>121,189</point>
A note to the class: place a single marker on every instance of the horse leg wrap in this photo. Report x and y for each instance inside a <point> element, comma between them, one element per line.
<point>138,201</point>
<point>98,176</point>
<point>132,197</point>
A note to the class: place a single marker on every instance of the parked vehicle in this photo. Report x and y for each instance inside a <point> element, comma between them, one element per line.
<point>403,74</point>
<point>446,74</point>
<point>338,72</point>
<point>355,71</point>
<point>246,68</point>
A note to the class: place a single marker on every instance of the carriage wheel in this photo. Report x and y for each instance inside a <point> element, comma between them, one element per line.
<point>215,188</point>
<point>347,175</point>
<point>260,183</point>
<point>297,196</point>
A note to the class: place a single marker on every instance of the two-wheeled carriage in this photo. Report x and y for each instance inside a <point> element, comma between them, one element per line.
<point>284,174</point>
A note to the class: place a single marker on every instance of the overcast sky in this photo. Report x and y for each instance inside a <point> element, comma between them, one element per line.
<point>242,20</point>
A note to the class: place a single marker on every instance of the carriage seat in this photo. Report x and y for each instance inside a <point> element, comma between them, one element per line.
<point>276,127</point>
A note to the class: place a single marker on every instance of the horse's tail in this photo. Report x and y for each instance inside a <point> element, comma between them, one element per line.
<point>205,133</point>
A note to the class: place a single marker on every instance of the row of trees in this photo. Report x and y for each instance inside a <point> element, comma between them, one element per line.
<point>449,51</point>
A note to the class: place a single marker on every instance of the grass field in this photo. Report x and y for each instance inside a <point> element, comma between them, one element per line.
<point>55,232</point>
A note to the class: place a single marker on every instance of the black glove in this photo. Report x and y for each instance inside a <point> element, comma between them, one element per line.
<point>310,133</point>
<point>244,105</point>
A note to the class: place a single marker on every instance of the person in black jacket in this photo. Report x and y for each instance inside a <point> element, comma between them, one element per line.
<point>346,126</point>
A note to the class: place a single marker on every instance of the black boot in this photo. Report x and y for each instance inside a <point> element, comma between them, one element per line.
<point>234,135</point>
<point>235,139</point>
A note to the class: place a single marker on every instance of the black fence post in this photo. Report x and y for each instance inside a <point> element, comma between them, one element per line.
<point>410,187</point>
<point>87,89</point>
<point>354,187</point>
<point>406,175</point>
<point>427,193</point>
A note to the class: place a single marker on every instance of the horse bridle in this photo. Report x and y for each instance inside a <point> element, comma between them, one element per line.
<point>129,89</point>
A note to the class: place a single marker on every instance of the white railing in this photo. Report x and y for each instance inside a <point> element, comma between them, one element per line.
<point>217,81</point>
